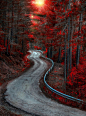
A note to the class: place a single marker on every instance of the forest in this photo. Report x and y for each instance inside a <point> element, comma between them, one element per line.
<point>56,27</point>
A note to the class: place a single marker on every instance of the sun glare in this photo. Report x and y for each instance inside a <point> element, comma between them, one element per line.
<point>39,2</point>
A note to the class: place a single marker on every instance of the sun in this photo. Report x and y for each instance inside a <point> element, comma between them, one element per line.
<point>39,3</point>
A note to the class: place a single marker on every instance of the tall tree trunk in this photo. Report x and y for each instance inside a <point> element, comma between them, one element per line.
<point>43,48</point>
<point>59,56</point>
<point>7,47</point>
<point>4,23</point>
<point>68,50</point>
<point>51,50</point>
<point>65,76</point>
<point>77,54</point>
<point>78,46</point>
<point>48,53</point>
<point>22,50</point>
<point>72,28</point>
<point>65,59</point>
<point>11,35</point>
<point>12,22</point>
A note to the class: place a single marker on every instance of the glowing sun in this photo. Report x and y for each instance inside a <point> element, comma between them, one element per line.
<point>39,2</point>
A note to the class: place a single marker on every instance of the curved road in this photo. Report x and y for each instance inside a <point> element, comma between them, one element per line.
<point>24,93</point>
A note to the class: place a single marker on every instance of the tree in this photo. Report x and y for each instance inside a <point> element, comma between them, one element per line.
<point>11,15</point>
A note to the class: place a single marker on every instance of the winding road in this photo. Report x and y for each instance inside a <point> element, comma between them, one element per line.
<point>24,93</point>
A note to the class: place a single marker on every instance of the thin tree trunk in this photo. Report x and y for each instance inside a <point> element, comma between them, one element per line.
<point>43,48</point>
<point>8,29</point>
<point>65,68</point>
<point>51,50</point>
<point>22,50</point>
<point>78,46</point>
<point>48,54</point>
<point>65,63</point>
<point>4,23</point>
<point>59,56</point>
<point>68,50</point>
<point>77,54</point>
<point>7,47</point>
<point>11,36</point>
<point>71,45</point>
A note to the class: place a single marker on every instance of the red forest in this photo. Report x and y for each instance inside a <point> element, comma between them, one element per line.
<point>56,27</point>
<point>63,26</point>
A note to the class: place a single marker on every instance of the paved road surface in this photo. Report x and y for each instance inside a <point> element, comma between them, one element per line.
<point>24,93</point>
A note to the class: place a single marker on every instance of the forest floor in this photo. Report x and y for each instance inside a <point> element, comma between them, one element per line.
<point>56,80</point>
<point>11,68</point>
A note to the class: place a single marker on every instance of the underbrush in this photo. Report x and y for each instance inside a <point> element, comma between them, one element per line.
<point>12,66</point>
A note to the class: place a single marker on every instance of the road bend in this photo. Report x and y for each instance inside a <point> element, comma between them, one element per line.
<point>24,93</point>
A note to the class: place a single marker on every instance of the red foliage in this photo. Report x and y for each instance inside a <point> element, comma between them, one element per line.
<point>30,36</point>
<point>55,15</point>
<point>0,83</point>
<point>77,78</point>
<point>38,48</point>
